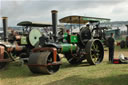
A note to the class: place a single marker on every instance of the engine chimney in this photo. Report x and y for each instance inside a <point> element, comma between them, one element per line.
<point>5,28</point>
<point>54,23</point>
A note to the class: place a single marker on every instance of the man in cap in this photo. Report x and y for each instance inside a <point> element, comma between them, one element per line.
<point>111,42</point>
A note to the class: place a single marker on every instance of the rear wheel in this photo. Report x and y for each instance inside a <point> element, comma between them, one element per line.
<point>95,52</point>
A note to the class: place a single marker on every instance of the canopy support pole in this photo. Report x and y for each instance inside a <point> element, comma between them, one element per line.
<point>79,22</point>
<point>71,23</point>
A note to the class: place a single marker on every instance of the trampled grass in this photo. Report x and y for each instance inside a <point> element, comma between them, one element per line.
<point>83,74</point>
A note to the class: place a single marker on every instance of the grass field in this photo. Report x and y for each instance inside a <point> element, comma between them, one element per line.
<point>102,74</point>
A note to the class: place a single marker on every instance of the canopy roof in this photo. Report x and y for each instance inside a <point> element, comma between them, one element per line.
<point>33,24</point>
<point>114,23</point>
<point>82,19</point>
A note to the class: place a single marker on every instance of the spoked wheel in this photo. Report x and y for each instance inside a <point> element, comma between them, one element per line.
<point>3,64</point>
<point>73,59</point>
<point>42,62</point>
<point>95,52</point>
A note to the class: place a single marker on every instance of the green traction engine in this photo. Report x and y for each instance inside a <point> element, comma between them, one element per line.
<point>76,48</point>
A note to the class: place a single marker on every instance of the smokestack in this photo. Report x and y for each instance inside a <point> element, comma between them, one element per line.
<point>54,22</point>
<point>5,28</point>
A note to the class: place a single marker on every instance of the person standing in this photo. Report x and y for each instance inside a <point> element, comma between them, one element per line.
<point>111,42</point>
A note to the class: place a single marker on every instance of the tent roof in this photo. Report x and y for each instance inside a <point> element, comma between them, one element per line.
<point>33,24</point>
<point>82,19</point>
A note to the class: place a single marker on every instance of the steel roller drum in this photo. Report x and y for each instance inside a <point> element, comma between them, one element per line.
<point>40,59</point>
<point>34,36</point>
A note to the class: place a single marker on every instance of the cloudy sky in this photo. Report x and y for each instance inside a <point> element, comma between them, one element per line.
<point>40,10</point>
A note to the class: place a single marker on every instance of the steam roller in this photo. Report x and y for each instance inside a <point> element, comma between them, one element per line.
<point>75,47</point>
<point>15,44</point>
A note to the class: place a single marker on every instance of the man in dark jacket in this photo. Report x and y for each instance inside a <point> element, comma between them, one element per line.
<point>111,47</point>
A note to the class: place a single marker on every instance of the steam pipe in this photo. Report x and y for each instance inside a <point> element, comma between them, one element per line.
<point>5,28</point>
<point>54,23</point>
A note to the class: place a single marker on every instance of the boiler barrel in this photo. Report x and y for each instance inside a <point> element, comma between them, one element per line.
<point>68,48</point>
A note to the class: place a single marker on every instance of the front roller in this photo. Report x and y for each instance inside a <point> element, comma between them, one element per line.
<point>43,62</point>
<point>95,52</point>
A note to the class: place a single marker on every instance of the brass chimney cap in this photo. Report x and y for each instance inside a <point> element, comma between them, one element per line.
<point>54,11</point>
<point>4,17</point>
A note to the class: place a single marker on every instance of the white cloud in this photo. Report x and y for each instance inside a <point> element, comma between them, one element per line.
<point>40,10</point>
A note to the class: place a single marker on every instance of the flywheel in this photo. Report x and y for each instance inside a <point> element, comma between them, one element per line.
<point>34,36</point>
